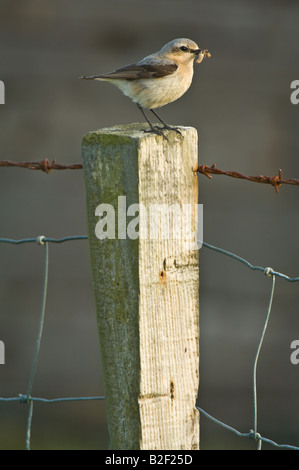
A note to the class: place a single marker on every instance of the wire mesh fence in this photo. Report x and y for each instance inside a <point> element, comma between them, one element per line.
<point>29,400</point>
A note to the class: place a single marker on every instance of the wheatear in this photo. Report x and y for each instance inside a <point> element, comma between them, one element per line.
<point>159,78</point>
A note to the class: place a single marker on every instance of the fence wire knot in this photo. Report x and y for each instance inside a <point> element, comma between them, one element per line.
<point>23,398</point>
<point>268,272</point>
<point>40,240</point>
<point>254,435</point>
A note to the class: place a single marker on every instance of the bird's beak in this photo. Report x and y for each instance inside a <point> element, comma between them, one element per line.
<point>197,51</point>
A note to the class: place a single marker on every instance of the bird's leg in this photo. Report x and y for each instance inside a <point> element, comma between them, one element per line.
<point>165,126</point>
<point>152,128</point>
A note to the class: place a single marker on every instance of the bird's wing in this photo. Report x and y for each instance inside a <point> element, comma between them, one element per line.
<point>134,71</point>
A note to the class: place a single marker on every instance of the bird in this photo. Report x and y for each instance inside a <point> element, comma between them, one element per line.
<point>158,79</point>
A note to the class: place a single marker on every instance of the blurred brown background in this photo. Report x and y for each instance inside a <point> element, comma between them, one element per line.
<point>240,103</point>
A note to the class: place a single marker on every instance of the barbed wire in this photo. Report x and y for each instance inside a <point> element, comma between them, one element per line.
<point>28,399</point>
<point>43,165</point>
<point>47,166</point>
<point>275,181</point>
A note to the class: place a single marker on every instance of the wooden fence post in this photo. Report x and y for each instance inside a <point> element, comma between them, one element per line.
<point>146,281</point>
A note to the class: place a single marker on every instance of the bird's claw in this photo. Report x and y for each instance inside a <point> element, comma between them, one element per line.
<point>155,130</point>
<point>169,128</point>
<point>159,130</point>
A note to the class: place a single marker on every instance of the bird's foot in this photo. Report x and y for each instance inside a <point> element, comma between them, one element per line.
<point>169,128</point>
<point>156,130</point>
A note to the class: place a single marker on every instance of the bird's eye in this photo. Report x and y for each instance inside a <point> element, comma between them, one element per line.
<point>184,49</point>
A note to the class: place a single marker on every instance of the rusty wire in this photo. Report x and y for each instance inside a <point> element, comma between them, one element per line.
<point>43,165</point>
<point>46,166</point>
<point>275,181</point>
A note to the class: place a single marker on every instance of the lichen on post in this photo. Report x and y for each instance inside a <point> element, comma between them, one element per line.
<point>146,281</point>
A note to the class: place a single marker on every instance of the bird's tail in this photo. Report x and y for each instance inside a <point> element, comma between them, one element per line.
<point>93,77</point>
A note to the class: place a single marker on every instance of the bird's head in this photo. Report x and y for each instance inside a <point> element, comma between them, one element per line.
<point>182,51</point>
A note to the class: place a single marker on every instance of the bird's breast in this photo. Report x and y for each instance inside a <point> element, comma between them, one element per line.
<point>156,92</point>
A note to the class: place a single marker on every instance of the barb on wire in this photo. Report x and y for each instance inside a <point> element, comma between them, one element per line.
<point>43,165</point>
<point>275,181</point>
